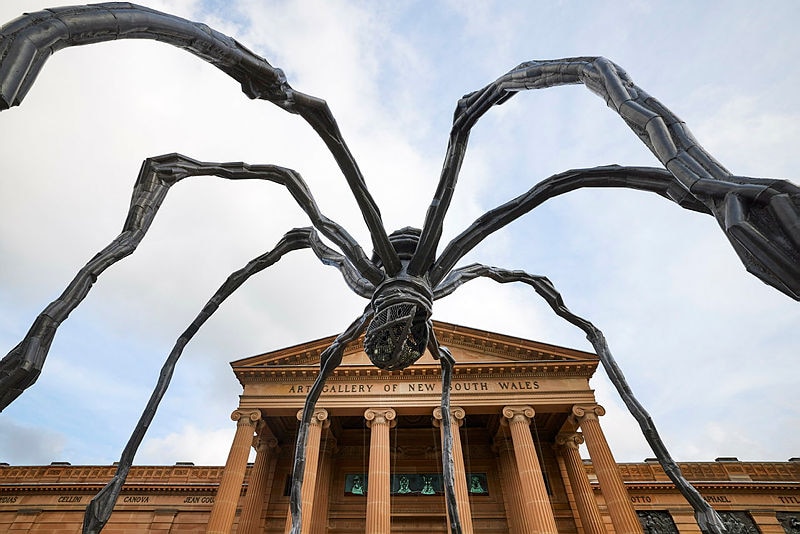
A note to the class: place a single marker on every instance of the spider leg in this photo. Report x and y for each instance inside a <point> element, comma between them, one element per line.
<point>21,367</point>
<point>28,41</point>
<point>770,208</point>
<point>448,471</point>
<point>330,359</point>
<point>468,110</point>
<point>101,506</point>
<point>739,213</point>
<point>751,231</point>
<point>301,193</point>
<point>758,215</point>
<point>650,179</point>
<point>23,364</point>
<point>707,518</point>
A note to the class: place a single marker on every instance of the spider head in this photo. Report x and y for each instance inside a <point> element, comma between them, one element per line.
<point>398,333</point>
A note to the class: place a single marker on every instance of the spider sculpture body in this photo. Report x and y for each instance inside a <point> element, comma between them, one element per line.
<point>760,217</point>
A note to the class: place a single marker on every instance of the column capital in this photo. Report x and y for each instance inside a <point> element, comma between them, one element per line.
<point>263,443</point>
<point>247,417</point>
<point>582,413</point>
<point>320,417</point>
<point>456,412</point>
<point>380,416</point>
<point>515,414</point>
<point>569,440</point>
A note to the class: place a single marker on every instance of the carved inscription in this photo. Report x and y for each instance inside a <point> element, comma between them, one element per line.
<point>136,499</point>
<point>199,500</point>
<point>519,385</point>
<point>70,498</point>
<point>717,498</point>
<point>8,500</point>
<point>641,498</point>
<point>416,387</point>
<point>785,500</point>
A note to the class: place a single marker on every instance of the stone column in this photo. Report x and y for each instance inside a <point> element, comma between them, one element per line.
<point>567,446</point>
<point>534,491</point>
<point>265,446</point>
<point>623,516</point>
<point>518,521</point>
<point>318,422</point>
<point>379,513</point>
<point>230,487</point>
<point>462,493</point>
<point>328,448</point>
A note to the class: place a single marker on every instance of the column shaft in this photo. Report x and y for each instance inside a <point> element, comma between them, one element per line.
<point>319,525</point>
<point>534,491</point>
<point>319,420</point>
<point>230,487</point>
<point>250,522</point>
<point>462,493</point>
<point>588,511</point>
<point>379,513</point>
<point>623,516</point>
<point>512,491</point>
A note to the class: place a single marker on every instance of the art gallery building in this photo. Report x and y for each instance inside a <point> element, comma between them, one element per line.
<point>522,409</point>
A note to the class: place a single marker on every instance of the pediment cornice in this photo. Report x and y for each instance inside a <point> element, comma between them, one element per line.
<point>478,353</point>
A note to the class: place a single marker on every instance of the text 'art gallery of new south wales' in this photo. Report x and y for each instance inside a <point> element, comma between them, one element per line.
<point>520,410</point>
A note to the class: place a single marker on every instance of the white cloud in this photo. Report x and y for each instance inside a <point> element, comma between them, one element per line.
<point>29,444</point>
<point>203,446</point>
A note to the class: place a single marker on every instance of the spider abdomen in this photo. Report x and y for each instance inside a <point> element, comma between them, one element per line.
<point>394,339</point>
<point>398,333</point>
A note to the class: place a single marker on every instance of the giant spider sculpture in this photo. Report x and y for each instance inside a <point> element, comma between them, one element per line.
<point>760,217</point>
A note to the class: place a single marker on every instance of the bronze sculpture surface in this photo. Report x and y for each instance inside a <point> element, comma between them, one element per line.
<point>405,276</point>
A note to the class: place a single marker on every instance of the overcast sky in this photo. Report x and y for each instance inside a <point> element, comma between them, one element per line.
<point>710,350</point>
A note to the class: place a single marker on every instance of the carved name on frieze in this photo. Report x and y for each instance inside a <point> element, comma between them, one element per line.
<point>125,499</point>
<point>415,387</point>
<point>717,498</point>
<point>136,499</point>
<point>198,500</point>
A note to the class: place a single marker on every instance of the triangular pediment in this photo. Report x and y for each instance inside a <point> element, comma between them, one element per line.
<point>470,347</point>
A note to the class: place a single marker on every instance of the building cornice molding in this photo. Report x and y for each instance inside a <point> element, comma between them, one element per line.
<point>487,370</point>
<point>453,336</point>
<point>727,486</point>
